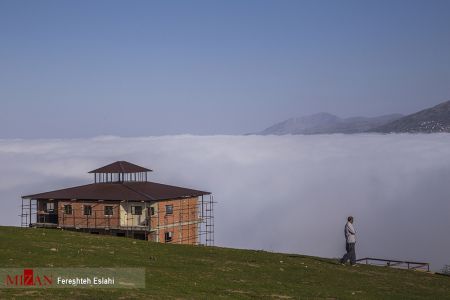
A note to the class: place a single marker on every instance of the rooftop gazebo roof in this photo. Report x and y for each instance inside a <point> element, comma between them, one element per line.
<point>121,167</point>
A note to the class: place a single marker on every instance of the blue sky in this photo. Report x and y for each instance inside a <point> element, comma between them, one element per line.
<point>138,68</point>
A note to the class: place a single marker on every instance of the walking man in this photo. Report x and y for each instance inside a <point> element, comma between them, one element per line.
<point>350,239</point>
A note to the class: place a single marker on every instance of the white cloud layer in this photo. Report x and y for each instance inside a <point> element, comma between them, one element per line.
<point>280,193</point>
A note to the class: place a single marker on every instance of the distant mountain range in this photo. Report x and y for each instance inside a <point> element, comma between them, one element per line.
<point>323,123</point>
<point>435,119</point>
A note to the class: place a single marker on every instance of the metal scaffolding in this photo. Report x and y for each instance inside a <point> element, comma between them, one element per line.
<point>28,213</point>
<point>206,228</point>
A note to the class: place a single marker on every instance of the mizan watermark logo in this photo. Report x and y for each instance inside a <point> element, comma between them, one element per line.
<point>72,278</point>
<point>28,278</point>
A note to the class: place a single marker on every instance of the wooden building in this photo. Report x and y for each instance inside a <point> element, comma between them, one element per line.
<point>122,202</point>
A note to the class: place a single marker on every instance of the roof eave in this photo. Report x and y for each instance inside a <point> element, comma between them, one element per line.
<point>32,197</point>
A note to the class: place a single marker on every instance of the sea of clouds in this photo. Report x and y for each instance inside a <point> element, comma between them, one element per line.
<point>277,193</point>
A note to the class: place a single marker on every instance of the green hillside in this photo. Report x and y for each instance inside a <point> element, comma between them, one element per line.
<point>189,272</point>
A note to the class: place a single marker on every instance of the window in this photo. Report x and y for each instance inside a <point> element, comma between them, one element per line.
<point>49,207</point>
<point>169,209</point>
<point>168,236</point>
<point>152,211</point>
<point>87,210</point>
<point>68,209</point>
<point>136,210</point>
<point>109,211</point>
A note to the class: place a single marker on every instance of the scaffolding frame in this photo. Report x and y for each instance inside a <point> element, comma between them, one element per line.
<point>206,228</point>
<point>199,216</point>
<point>28,214</point>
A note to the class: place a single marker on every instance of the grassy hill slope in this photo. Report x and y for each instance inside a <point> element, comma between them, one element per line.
<point>179,271</point>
